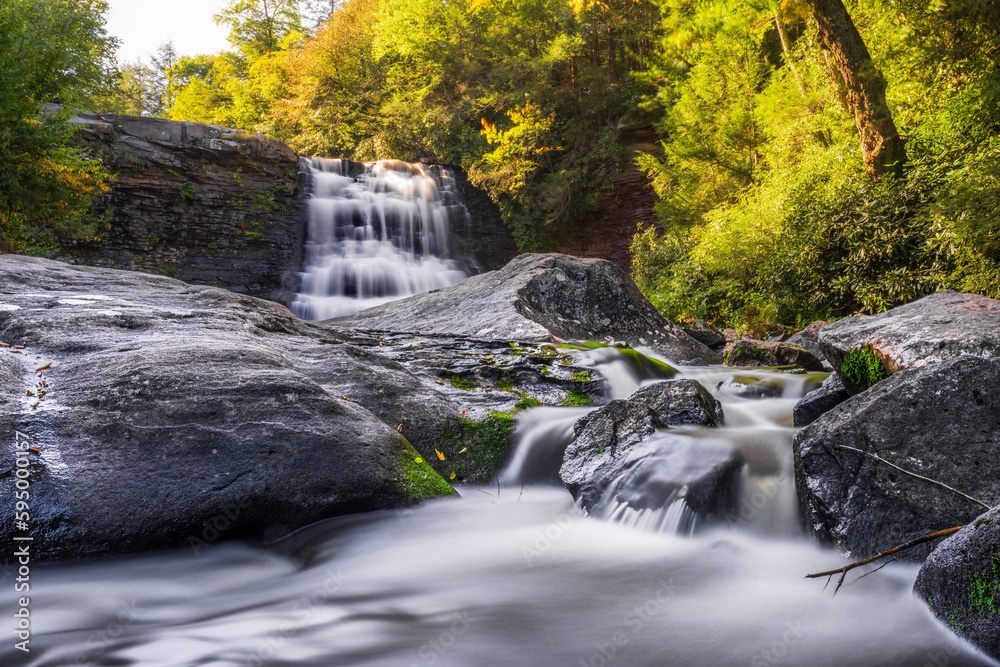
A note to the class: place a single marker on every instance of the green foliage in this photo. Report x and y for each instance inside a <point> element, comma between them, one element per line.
<point>55,51</point>
<point>769,217</point>
<point>863,368</point>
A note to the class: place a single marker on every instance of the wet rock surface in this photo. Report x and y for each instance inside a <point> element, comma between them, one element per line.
<point>960,582</point>
<point>819,401</point>
<point>809,339</point>
<point>746,352</point>
<point>624,453</point>
<point>539,298</point>
<point>168,406</point>
<point>939,421</point>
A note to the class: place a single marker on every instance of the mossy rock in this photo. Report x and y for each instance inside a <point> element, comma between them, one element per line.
<point>417,479</point>
<point>862,368</point>
<point>474,450</point>
<point>645,367</point>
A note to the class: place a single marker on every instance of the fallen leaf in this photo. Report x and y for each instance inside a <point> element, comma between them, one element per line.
<point>440,455</point>
<point>15,351</point>
<point>42,393</point>
<point>44,368</point>
<point>381,344</point>
<point>452,475</point>
<point>488,389</point>
<point>439,381</point>
<point>346,399</point>
<point>31,393</point>
<point>35,404</point>
<point>37,450</point>
<point>464,450</point>
<point>4,345</point>
<point>399,429</point>
<point>10,292</point>
<point>45,383</point>
<point>465,413</point>
<point>418,460</point>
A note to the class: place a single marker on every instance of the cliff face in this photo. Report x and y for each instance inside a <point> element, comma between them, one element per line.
<point>204,204</point>
<point>214,206</point>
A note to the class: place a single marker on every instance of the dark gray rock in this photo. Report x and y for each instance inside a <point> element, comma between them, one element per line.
<point>940,421</point>
<point>941,326</point>
<point>538,298</point>
<point>624,453</point>
<point>809,339</point>
<point>175,415</point>
<point>819,401</point>
<point>705,333</point>
<point>960,581</point>
<point>747,352</point>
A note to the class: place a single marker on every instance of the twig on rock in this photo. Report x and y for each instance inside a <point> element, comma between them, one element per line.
<point>913,474</point>
<point>889,552</point>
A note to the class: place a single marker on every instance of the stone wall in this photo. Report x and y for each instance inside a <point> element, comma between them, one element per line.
<point>205,204</point>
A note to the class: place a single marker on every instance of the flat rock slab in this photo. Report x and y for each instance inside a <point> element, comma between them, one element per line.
<point>539,298</point>
<point>960,581</point>
<point>172,415</point>
<point>940,421</point>
<point>748,352</point>
<point>938,327</point>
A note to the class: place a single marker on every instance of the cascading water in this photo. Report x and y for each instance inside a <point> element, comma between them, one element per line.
<point>514,575</point>
<point>381,235</point>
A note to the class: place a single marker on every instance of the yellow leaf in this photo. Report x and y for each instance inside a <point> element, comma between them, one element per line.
<point>440,455</point>
<point>418,460</point>
<point>452,475</point>
<point>464,450</point>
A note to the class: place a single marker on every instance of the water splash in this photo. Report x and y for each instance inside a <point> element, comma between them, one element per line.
<point>376,236</point>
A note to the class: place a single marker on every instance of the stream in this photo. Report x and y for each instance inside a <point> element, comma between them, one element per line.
<point>512,574</point>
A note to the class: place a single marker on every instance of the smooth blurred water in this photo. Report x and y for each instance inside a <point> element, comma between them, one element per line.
<point>514,575</point>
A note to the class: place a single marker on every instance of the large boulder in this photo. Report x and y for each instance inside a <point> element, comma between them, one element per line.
<point>751,352</point>
<point>960,581</point>
<point>539,298</point>
<point>627,457</point>
<point>941,326</point>
<point>940,421</point>
<point>164,414</point>
<point>809,339</point>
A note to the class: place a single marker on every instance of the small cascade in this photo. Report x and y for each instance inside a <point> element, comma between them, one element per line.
<point>376,232</point>
<point>662,486</point>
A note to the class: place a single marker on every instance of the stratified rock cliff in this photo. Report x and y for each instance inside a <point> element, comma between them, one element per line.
<point>205,204</point>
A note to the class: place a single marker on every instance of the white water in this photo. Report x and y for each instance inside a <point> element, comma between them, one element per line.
<point>515,576</point>
<point>381,236</point>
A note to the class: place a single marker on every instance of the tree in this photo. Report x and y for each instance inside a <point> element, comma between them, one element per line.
<point>258,26</point>
<point>882,149</point>
<point>51,51</point>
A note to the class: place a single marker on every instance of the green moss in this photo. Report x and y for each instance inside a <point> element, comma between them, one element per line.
<point>418,481</point>
<point>459,382</point>
<point>505,384</point>
<point>546,371</point>
<point>526,402</point>
<point>863,368</point>
<point>515,349</point>
<point>982,521</point>
<point>474,450</point>
<point>576,398</point>
<point>984,588</point>
<point>645,367</point>
<point>583,376</point>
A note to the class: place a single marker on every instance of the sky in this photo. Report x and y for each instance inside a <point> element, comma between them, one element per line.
<point>143,25</point>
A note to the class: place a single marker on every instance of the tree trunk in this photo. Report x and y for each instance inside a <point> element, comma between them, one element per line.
<point>783,36</point>
<point>882,148</point>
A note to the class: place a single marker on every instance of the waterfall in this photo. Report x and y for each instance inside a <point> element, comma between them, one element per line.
<point>376,232</point>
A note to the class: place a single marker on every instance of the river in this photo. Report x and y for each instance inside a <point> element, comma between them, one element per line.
<point>510,574</point>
